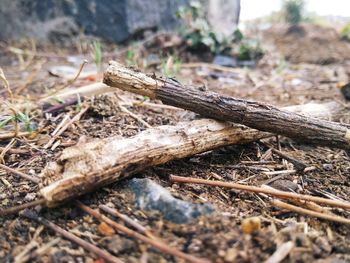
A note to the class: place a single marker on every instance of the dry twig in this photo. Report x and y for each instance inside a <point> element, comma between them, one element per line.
<point>155,243</point>
<point>84,244</point>
<point>20,174</point>
<point>255,189</point>
<point>257,115</point>
<point>58,133</point>
<point>299,210</point>
<point>129,221</point>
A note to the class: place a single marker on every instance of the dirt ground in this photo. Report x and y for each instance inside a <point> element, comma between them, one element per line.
<point>218,237</point>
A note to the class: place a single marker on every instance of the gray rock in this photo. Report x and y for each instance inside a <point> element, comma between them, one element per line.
<point>29,197</point>
<point>151,196</point>
<point>228,61</point>
<point>225,61</point>
<point>111,20</point>
<point>223,15</point>
<point>119,245</point>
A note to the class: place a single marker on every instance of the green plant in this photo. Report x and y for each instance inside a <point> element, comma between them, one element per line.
<point>249,49</point>
<point>18,117</point>
<point>23,117</point>
<point>345,32</point>
<point>170,67</point>
<point>199,35</point>
<point>130,58</point>
<point>293,11</point>
<point>97,53</point>
<point>282,65</point>
<point>5,121</point>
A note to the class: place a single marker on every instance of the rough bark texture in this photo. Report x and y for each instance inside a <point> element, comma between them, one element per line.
<point>257,115</point>
<point>84,168</point>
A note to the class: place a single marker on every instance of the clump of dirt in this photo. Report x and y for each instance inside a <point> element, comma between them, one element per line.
<point>309,43</point>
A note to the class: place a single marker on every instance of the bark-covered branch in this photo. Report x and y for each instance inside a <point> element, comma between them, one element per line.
<point>257,115</point>
<point>86,167</point>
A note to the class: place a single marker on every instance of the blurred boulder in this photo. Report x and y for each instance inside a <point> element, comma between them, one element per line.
<point>115,21</point>
<point>223,15</point>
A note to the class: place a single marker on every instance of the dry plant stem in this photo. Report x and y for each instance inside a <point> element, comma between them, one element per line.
<point>281,252</point>
<point>255,189</point>
<point>20,174</point>
<point>253,114</point>
<point>84,244</point>
<point>7,85</point>
<point>70,82</point>
<point>15,151</point>
<point>309,205</point>
<point>128,220</point>
<point>6,149</point>
<point>209,66</point>
<point>155,243</point>
<point>65,127</point>
<point>299,166</point>
<point>84,168</point>
<point>134,116</point>
<point>16,209</point>
<point>41,250</point>
<point>23,255</point>
<point>308,212</point>
<point>84,91</point>
<point>10,135</point>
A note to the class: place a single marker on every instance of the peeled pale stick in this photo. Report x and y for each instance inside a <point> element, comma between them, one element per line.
<point>86,167</point>
<point>257,115</point>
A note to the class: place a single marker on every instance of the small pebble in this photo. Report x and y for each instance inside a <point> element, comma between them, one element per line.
<point>327,166</point>
<point>2,196</point>
<point>29,197</point>
<point>251,224</point>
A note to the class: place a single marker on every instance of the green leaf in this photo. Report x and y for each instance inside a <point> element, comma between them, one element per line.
<point>6,121</point>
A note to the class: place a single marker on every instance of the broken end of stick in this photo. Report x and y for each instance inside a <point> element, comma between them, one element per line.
<point>129,79</point>
<point>347,136</point>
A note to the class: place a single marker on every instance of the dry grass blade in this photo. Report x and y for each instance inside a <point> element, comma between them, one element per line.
<point>7,85</point>
<point>134,116</point>
<point>58,133</point>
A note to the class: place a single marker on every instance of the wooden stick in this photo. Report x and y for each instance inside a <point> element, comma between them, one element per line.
<point>308,212</point>
<point>84,244</point>
<point>155,243</point>
<point>253,114</point>
<point>255,189</point>
<point>83,168</point>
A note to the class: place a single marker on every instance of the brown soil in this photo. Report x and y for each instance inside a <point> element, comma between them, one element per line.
<point>218,237</point>
<point>309,43</point>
